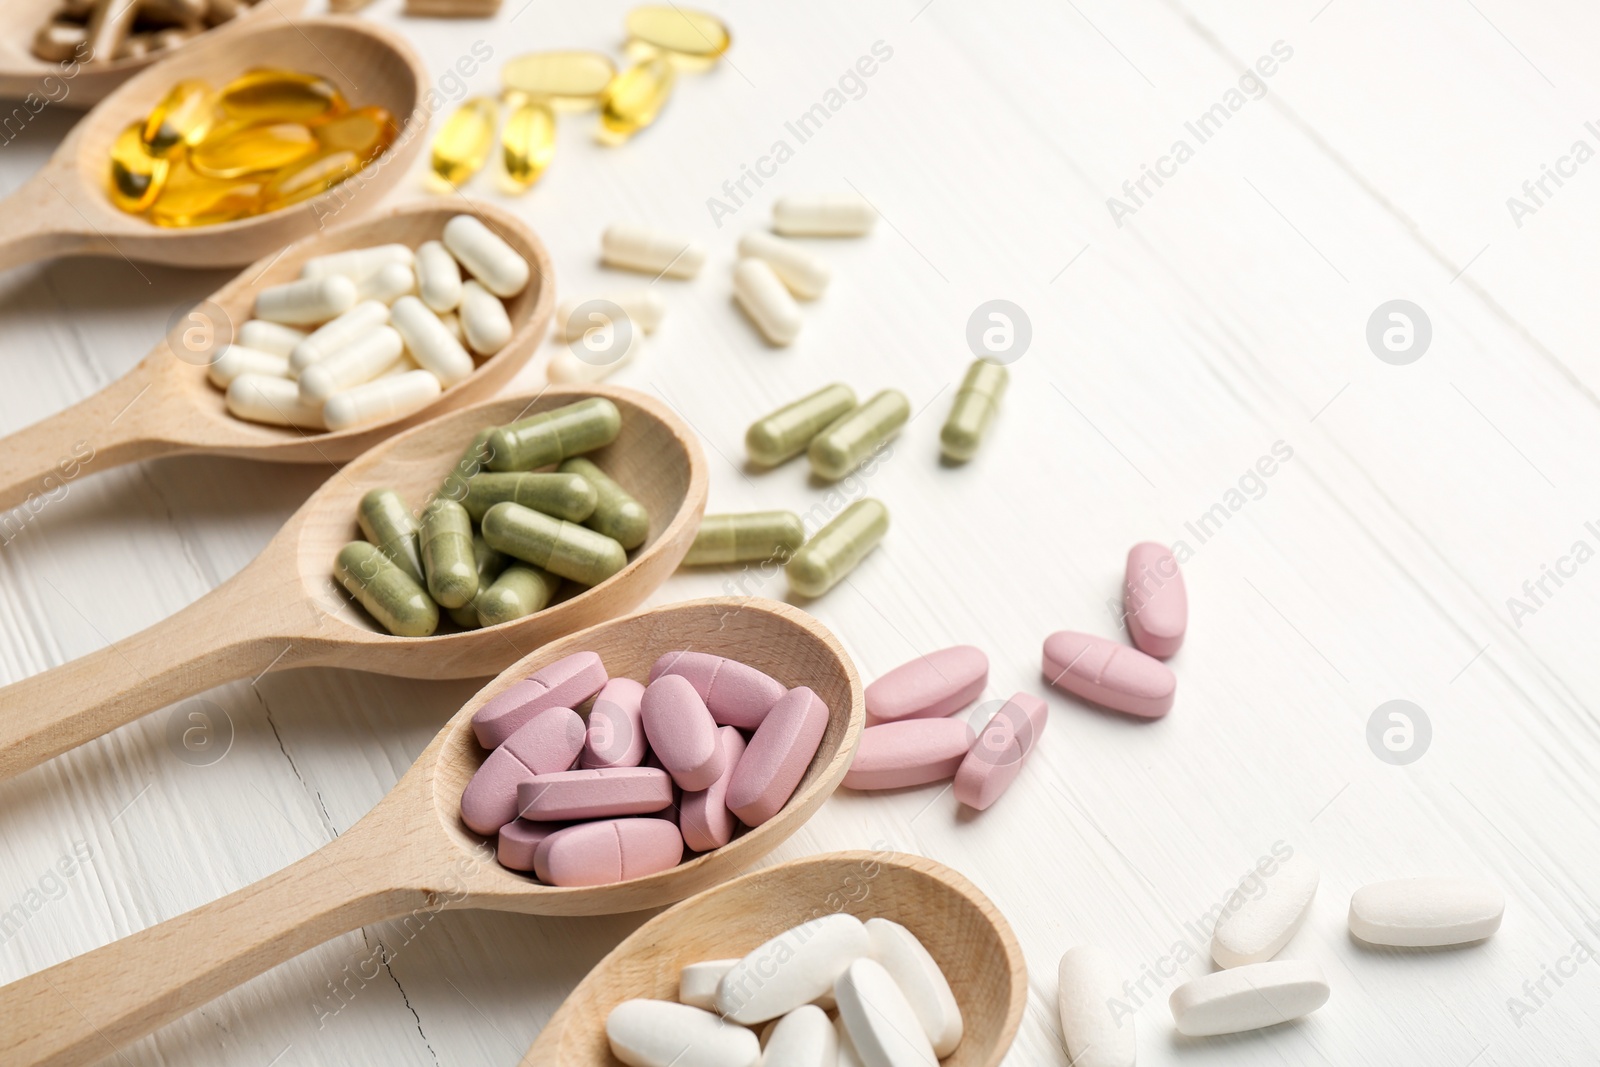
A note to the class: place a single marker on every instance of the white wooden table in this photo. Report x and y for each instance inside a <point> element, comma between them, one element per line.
<point>1227,313</point>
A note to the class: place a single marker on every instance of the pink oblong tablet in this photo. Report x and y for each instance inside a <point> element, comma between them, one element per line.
<point>520,839</point>
<point>1154,599</point>
<point>777,757</point>
<point>703,816</point>
<point>929,687</point>
<point>1002,746</point>
<point>912,752</point>
<point>616,727</point>
<point>1104,672</point>
<point>736,694</point>
<point>566,683</point>
<point>599,853</point>
<point>566,796</point>
<point>682,733</point>
<point>548,742</point>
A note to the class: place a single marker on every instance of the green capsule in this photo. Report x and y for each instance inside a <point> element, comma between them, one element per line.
<point>387,522</point>
<point>520,590</point>
<point>976,403</point>
<point>842,447</point>
<point>400,605</point>
<point>838,547</point>
<point>564,496</point>
<point>786,432</point>
<point>489,564</point>
<point>563,548</point>
<point>446,539</point>
<point>473,460</point>
<point>756,535</point>
<point>616,514</point>
<point>550,437</point>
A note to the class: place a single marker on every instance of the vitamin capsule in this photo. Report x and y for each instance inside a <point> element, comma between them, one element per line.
<point>566,796</point>
<point>235,360</point>
<point>546,741</point>
<point>788,431</point>
<point>703,815</point>
<point>756,535</point>
<point>823,215</point>
<point>390,596</point>
<point>975,405</point>
<point>848,441</point>
<point>1248,998</point>
<point>929,687</point>
<point>385,521</point>
<point>387,284</point>
<point>438,277</point>
<point>777,757</point>
<point>452,322</point>
<point>366,132</point>
<point>655,1033</point>
<point>182,118</point>
<point>576,317</point>
<point>281,96</point>
<point>568,497</point>
<point>357,263</point>
<point>566,683</point>
<point>567,81</point>
<point>804,1036</point>
<point>1154,599</point>
<point>616,514</point>
<point>595,364</point>
<point>190,199</point>
<point>735,693</point>
<point>925,987</point>
<point>909,752</point>
<point>307,301</point>
<point>483,319</point>
<point>463,144</point>
<point>238,151</point>
<point>650,251</point>
<point>805,275</point>
<point>336,335</point>
<point>615,850</point>
<point>381,401</point>
<point>1002,747</point>
<point>634,99</point>
<point>136,175</point>
<point>273,337</point>
<point>311,178</point>
<point>274,401</point>
<point>519,839</point>
<point>684,31</point>
<point>528,142</point>
<point>472,461</point>
<point>486,256</point>
<point>360,361</point>
<point>697,983</point>
<point>1257,922</point>
<point>1426,912</point>
<point>1107,673</point>
<point>616,727</point>
<point>447,559</point>
<point>1089,981</point>
<point>551,436</point>
<point>489,565</point>
<point>520,590</point>
<point>794,968</point>
<point>563,548</point>
<point>883,1025</point>
<point>837,548</point>
<point>429,342</point>
<point>764,298</point>
<point>682,733</point>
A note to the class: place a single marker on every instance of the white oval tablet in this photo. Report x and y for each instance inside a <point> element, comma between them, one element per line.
<point>1248,997</point>
<point>921,980</point>
<point>881,1022</point>
<point>848,1056</point>
<point>697,983</point>
<point>1090,982</point>
<point>803,1038</point>
<point>659,1033</point>
<point>794,968</point>
<point>1258,929</point>
<point>1426,912</point>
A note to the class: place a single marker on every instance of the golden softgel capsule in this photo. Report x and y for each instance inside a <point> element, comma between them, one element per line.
<point>635,98</point>
<point>136,175</point>
<point>567,81</point>
<point>281,96</point>
<point>463,144</point>
<point>528,142</point>
<point>679,30</point>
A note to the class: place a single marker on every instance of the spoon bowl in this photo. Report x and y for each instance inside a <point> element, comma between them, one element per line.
<point>284,609</point>
<point>963,931</point>
<point>412,856</point>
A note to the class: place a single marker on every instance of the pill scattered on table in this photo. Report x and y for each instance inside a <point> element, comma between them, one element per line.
<point>1155,601</point>
<point>1106,673</point>
<point>976,404</point>
<point>823,215</point>
<point>1257,928</point>
<point>1089,981</point>
<point>931,686</point>
<point>1248,997</point>
<point>849,440</point>
<point>1002,747</point>
<point>909,752</point>
<point>789,431</point>
<point>838,548</point>
<point>1426,912</point>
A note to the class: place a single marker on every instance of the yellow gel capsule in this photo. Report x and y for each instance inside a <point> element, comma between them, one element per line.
<point>281,96</point>
<point>308,179</point>
<point>680,30</point>
<point>136,175</point>
<point>239,150</point>
<point>567,81</point>
<point>634,99</point>
<point>366,131</point>
<point>184,116</point>
<point>463,145</point>
<point>191,199</point>
<point>529,140</point>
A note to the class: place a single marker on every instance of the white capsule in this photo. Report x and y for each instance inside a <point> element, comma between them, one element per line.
<point>276,401</point>
<point>920,979</point>
<point>766,301</point>
<point>235,360</point>
<point>882,1024</point>
<point>332,336</point>
<point>697,983</point>
<point>483,320</point>
<point>1096,1035</point>
<point>576,317</point>
<point>308,301</point>
<point>805,275</point>
<point>438,277</point>
<point>1253,929</point>
<point>823,215</point>
<point>360,361</point>
<point>486,256</point>
<point>452,322</point>
<point>1248,997</point>
<point>659,1033</point>
<point>381,401</point>
<point>569,367</point>
<point>1426,912</point>
<point>357,263</point>
<point>803,1038</point>
<point>650,252</point>
<point>387,284</point>
<point>430,342</point>
<point>794,968</point>
<point>274,337</point>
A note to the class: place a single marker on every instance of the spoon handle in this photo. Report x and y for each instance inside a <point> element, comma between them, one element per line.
<point>40,221</point>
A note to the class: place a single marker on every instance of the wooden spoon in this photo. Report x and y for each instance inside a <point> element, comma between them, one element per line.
<point>965,933</point>
<point>412,855</point>
<point>22,72</point>
<point>165,405</point>
<point>284,609</point>
<point>64,210</point>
